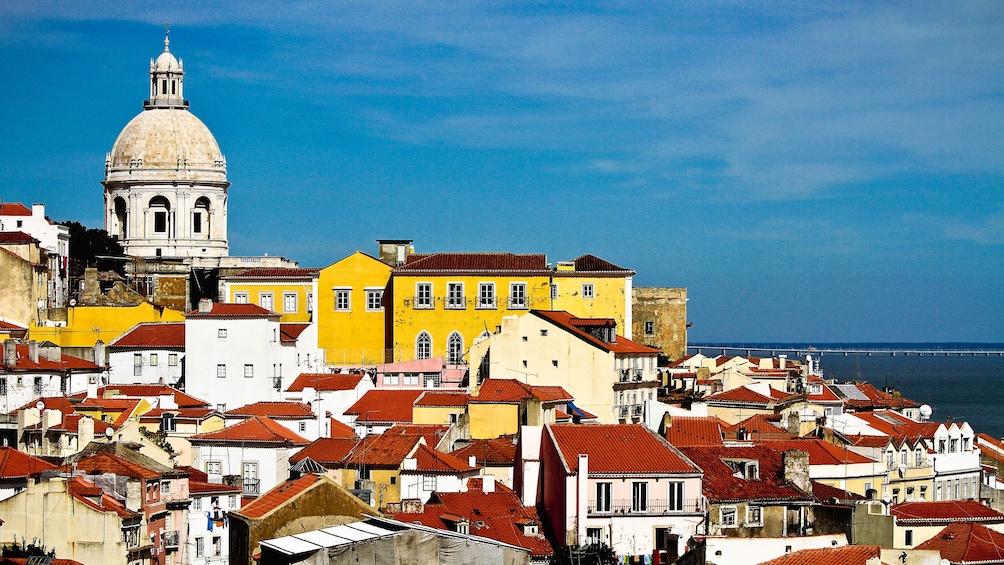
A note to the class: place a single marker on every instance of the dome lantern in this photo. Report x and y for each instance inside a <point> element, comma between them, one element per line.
<point>167,78</point>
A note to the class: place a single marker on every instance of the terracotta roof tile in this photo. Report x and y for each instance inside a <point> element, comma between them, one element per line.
<point>749,395</point>
<point>443,398</point>
<point>279,496</point>
<point>337,428</point>
<point>760,427</point>
<point>430,461</point>
<point>227,310</point>
<point>927,512</point>
<point>568,322</point>
<point>511,391</point>
<point>820,452</point>
<point>325,381</point>
<point>384,450</point>
<point>125,407</point>
<point>24,362</point>
<point>16,238</point>
<point>86,492</point>
<point>484,262</point>
<point>256,429</point>
<point>385,405</point>
<point>100,463</point>
<point>687,430</point>
<point>153,335</point>
<point>60,403</point>
<point>433,433</point>
<point>967,543</point>
<point>495,452</point>
<point>4,325</point>
<point>607,445</point>
<point>15,464</point>
<point>721,484</point>
<point>592,263</point>
<point>71,425</point>
<point>326,451</point>
<point>843,555</point>
<point>277,410</point>
<point>148,391</point>
<point>290,332</point>
<point>878,399</point>
<point>193,414</point>
<point>14,209</point>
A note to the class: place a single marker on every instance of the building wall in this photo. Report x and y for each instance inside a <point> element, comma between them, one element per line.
<point>354,337</point>
<point>85,325</point>
<point>386,485</point>
<point>22,283</point>
<point>301,311</point>
<point>492,420</point>
<point>666,310</point>
<point>121,363</point>
<point>273,463</point>
<point>437,414</point>
<point>199,517</point>
<point>773,521</point>
<point>611,298</point>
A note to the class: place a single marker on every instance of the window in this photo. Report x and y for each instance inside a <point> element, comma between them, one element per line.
<point>895,496</point>
<point>153,360</point>
<point>197,503</point>
<point>455,296</point>
<point>410,379</point>
<point>137,364</point>
<point>310,302</point>
<point>200,549</point>
<point>649,328</point>
<point>168,423</point>
<point>965,444</point>
<point>248,371</point>
<point>390,380</point>
<point>289,302</point>
<point>603,491</point>
<point>587,291</point>
<point>639,497</point>
<point>221,333</point>
<point>240,298</point>
<point>160,222</point>
<point>941,446</point>
<point>172,360</point>
<point>197,222</point>
<point>221,371</point>
<point>429,482</point>
<point>727,516</point>
<point>266,300</point>
<point>889,459</point>
<point>36,387</point>
<point>423,295</point>
<point>3,386</point>
<point>918,458</point>
<point>594,535</point>
<point>217,546</point>
<point>455,349</point>
<point>554,363</point>
<point>232,501</point>
<point>554,292</point>
<point>543,333</point>
<point>165,487</point>
<point>909,492</point>
<point>902,457</point>
<point>517,295</point>
<point>214,467</point>
<point>423,346</point>
<point>343,299</point>
<point>374,300</point>
<point>754,516</point>
<point>953,445</point>
<point>486,295</point>
<point>675,496</point>
<point>393,480</point>
<point>221,408</point>
<point>303,427</point>
<point>908,537</point>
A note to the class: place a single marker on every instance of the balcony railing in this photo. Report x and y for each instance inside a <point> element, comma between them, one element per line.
<point>517,302</point>
<point>251,487</point>
<point>171,539</point>
<point>456,303</point>
<point>652,507</point>
<point>484,302</point>
<point>423,302</point>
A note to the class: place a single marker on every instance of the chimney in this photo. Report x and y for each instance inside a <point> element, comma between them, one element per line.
<point>33,351</point>
<point>85,431</point>
<point>472,461</point>
<point>488,484</point>
<point>166,400</point>
<point>781,361</point>
<point>667,423</point>
<point>52,352</point>
<point>794,423</point>
<point>581,496</point>
<point>412,505</point>
<point>796,469</point>
<point>205,306</point>
<point>38,210</point>
<point>25,418</point>
<point>10,353</point>
<point>51,418</point>
<point>92,388</point>
<point>99,354</point>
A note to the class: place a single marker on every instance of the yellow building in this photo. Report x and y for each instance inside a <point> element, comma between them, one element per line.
<point>287,292</point>
<point>375,465</point>
<point>501,406</point>
<point>351,318</point>
<point>24,278</point>
<point>85,325</point>
<point>441,302</point>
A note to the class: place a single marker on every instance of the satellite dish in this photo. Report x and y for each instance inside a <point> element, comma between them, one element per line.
<point>73,302</point>
<point>40,405</point>
<point>925,412</point>
<point>109,432</point>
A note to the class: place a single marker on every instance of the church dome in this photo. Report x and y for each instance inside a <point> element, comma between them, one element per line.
<point>167,62</point>
<point>167,144</point>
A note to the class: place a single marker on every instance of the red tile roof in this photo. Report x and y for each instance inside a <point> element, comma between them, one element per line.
<point>698,430</point>
<point>897,425</point>
<point>153,335</point>
<point>100,463</point>
<point>71,425</point>
<point>760,426</point>
<point>125,407</point>
<point>492,515</point>
<point>226,310</point>
<point>748,395</point>
<point>593,264</point>
<point>11,326</point>
<point>384,450</point>
<point>326,451</point>
<point>945,511</point>
<point>277,410</point>
<point>430,461</point>
<point>325,381</point>
<point>16,238</point>
<point>511,391</point>
<point>191,414</point>
<point>280,495</point>
<point>198,483</point>
<point>607,445</point>
<point>443,398</point>
<point>478,262</point>
<point>85,492</point>
<point>276,273</point>
<point>967,543</point>
<point>24,362</point>
<point>820,452</point>
<point>433,433</point>
<point>721,484</point>
<point>60,403</point>
<point>14,209</point>
<point>495,452</point>
<point>878,399</point>
<point>289,333</point>
<point>337,428</point>
<point>385,405</point>
<point>15,464</point>
<point>843,555</point>
<point>568,322</point>
<point>150,391</point>
<point>256,429</point>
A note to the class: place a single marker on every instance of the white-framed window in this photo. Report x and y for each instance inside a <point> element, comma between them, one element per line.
<point>154,360</point>
<point>137,364</point>
<point>197,503</point>
<point>554,291</point>
<point>390,380</point>
<point>588,291</point>
<point>221,333</point>
<point>455,296</point>
<point>221,371</point>
<point>343,299</point>
<point>649,328</point>
<point>603,496</point>
<point>455,349</point>
<point>423,346</point>
<point>240,298</point>
<point>594,535</point>
<point>266,300</point>
<point>754,516</point>
<point>517,295</point>
<point>429,482</point>
<point>303,427</point>
<point>168,423</point>
<point>676,492</point>
<point>200,547</point>
<point>639,497</point>
<point>423,295</point>
<point>486,295</point>
<point>410,379</point>
<point>289,300</point>
<point>217,546</point>
<point>214,467</point>
<point>727,516</point>
<point>232,501</point>
<point>374,300</point>
<point>310,302</point>
<point>172,359</point>
<point>248,371</point>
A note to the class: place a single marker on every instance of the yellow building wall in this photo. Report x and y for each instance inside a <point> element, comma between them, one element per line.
<point>470,321</point>
<point>610,298</point>
<point>254,291</point>
<point>492,420</point>
<point>357,336</point>
<point>85,325</point>
<point>383,491</point>
<point>435,414</point>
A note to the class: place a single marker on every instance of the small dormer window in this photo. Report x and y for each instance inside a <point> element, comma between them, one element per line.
<point>816,389</point>
<point>168,423</point>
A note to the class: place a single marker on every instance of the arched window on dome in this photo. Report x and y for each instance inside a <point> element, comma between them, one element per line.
<point>121,218</point>
<point>423,346</point>
<point>455,349</point>
<point>160,214</point>
<point>201,218</point>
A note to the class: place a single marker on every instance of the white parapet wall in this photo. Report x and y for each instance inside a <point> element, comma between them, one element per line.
<point>753,551</point>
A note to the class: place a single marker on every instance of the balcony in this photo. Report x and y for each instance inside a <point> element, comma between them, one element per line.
<point>252,487</point>
<point>517,303</point>
<point>171,540</point>
<point>623,412</point>
<point>636,411</point>
<point>456,303</point>
<point>653,507</point>
<point>423,302</point>
<point>486,303</point>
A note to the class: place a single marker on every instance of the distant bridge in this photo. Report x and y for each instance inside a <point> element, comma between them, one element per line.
<point>800,351</point>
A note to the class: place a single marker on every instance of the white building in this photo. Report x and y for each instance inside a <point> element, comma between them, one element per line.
<point>52,237</point>
<point>30,371</point>
<point>208,525</point>
<point>149,353</point>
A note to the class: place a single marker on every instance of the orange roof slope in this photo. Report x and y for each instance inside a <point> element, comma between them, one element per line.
<point>24,362</point>
<point>820,452</point>
<point>276,272</point>
<point>14,209</point>
<point>928,512</point>
<point>433,433</point>
<point>430,461</point>
<point>153,335</point>
<point>967,543</point>
<point>100,463</point>
<point>328,451</point>
<point>496,452</point>
<point>569,323</point>
<point>608,444</point>
<point>279,495</point>
<point>277,410</point>
<point>844,555</point>
<point>325,381</point>
<point>135,391</point>
<point>386,451</point>
<point>476,262</point>
<point>15,464</point>
<point>256,429</point>
<point>443,398</point>
<point>697,430</point>
<point>721,484</point>
<point>511,391</point>
<point>60,403</point>
<point>385,405</point>
<point>226,310</point>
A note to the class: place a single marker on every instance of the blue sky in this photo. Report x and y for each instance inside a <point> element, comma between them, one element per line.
<point>810,173</point>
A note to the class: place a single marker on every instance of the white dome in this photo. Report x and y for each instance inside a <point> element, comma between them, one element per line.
<point>160,142</point>
<point>166,62</point>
